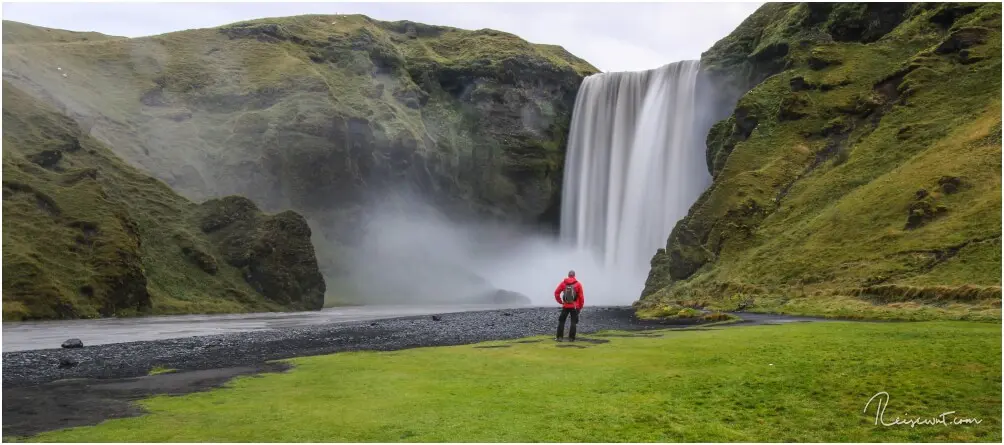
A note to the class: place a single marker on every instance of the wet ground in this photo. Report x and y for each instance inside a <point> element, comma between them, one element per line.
<point>24,336</point>
<point>78,402</point>
<point>48,389</point>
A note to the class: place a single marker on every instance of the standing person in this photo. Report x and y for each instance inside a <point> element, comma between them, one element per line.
<point>571,298</point>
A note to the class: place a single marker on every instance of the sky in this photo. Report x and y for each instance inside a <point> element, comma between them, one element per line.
<point>611,36</point>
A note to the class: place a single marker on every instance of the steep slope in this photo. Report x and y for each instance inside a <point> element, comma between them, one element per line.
<point>860,171</point>
<point>85,235</point>
<point>318,113</point>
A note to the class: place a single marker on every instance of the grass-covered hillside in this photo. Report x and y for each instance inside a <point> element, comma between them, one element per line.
<point>86,235</point>
<point>860,173</point>
<point>315,113</point>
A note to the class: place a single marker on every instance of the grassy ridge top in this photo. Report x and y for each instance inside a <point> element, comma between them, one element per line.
<point>417,41</point>
<point>19,33</point>
<point>85,235</point>
<point>444,42</point>
<point>860,176</point>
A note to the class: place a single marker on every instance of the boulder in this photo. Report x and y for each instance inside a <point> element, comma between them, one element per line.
<point>963,38</point>
<point>922,212</point>
<point>274,252</point>
<point>950,184</point>
<point>73,343</point>
<point>46,158</point>
<point>799,84</point>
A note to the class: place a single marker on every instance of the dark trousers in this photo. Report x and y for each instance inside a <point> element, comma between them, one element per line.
<point>561,323</point>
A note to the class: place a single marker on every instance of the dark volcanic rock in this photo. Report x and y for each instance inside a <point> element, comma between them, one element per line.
<point>861,22</point>
<point>265,32</point>
<point>798,84</point>
<point>274,252</point>
<point>950,184</point>
<point>47,158</point>
<point>948,13</point>
<point>73,343</point>
<point>923,211</point>
<point>963,38</point>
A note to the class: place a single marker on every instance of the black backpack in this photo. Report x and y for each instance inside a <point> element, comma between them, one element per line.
<point>569,295</point>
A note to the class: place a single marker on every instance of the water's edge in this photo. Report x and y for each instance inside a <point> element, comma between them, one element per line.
<point>252,348</point>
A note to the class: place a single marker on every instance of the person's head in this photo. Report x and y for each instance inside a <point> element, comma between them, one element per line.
<point>571,274</point>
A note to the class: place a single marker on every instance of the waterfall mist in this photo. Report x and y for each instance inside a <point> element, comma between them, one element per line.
<point>412,253</point>
<point>634,166</point>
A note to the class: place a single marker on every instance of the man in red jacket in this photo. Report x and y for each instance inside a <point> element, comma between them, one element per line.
<point>571,298</point>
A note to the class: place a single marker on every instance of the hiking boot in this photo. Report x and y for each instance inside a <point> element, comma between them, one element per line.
<point>558,339</point>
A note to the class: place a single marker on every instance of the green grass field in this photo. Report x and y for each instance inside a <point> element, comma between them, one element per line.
<point>794,382</point>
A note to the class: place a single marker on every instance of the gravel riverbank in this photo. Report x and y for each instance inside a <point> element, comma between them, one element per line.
<point>121,360</point>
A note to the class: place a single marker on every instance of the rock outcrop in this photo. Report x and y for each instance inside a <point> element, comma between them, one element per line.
<point>273,252</point>
<point>86,235</point>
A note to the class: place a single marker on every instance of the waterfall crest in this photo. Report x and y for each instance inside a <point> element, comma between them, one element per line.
<point>635,164</point>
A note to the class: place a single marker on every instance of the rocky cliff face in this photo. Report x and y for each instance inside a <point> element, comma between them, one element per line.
<point>85,235</point>
<point>861,164</point>
<point>319,113</point>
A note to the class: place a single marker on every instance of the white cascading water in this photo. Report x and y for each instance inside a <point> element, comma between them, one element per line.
<point>635,165</point>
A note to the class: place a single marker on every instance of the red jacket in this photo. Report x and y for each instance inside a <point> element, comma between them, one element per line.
<point>578,290</point>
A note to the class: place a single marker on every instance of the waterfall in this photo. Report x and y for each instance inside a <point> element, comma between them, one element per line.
<point>635,164</point>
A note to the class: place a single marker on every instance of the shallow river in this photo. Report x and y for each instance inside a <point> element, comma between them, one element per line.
<point>21,336</point>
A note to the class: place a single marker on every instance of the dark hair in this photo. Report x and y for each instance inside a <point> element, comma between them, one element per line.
<point>571,273</point>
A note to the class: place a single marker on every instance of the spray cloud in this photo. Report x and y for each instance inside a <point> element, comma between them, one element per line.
<point>412,253</point>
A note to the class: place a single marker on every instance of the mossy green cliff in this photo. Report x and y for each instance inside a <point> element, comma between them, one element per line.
<point>860,172</point>
<point>85,235</point>
<point>317,113</point>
